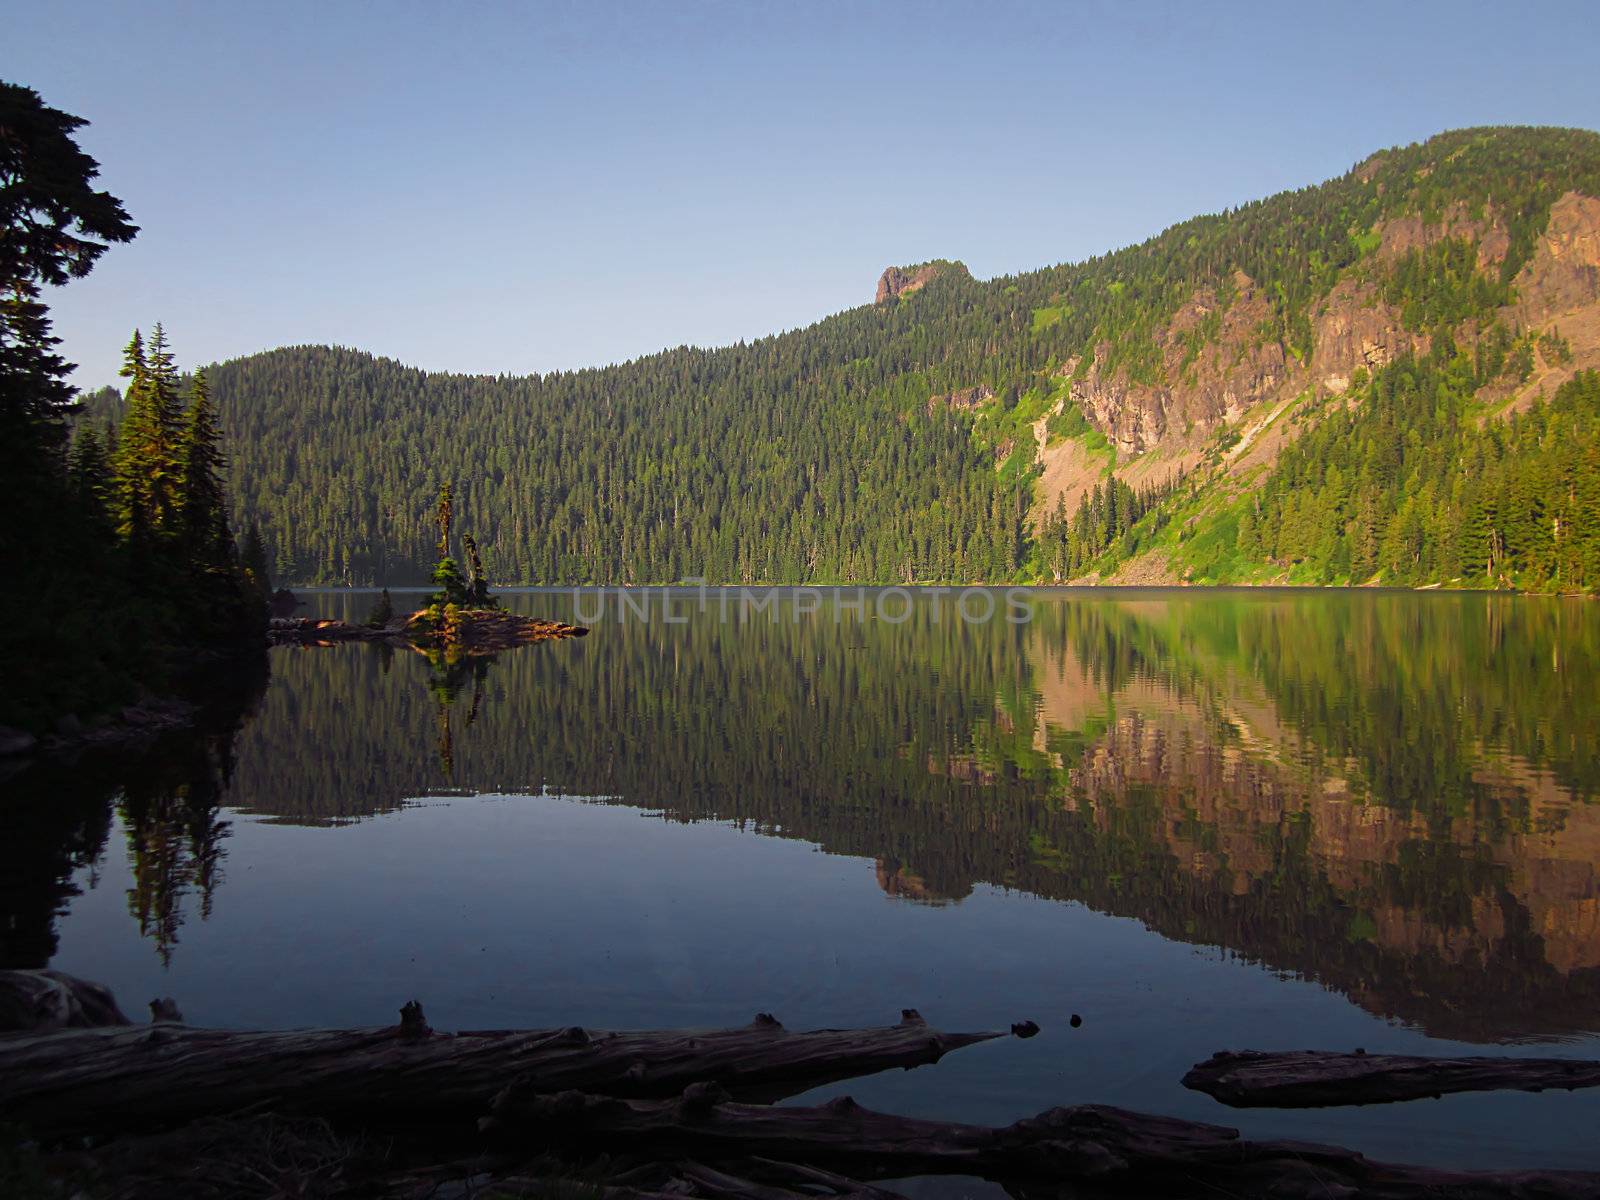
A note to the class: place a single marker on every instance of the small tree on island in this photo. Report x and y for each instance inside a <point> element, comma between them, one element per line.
<point>447,576</point>
<point>455,588</point>
<point>382,611</point>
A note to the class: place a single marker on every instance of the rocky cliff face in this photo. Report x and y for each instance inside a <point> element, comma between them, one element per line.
<point>1563,276</point>
<point>1221,365</point>
<point>1236,371</point>
<point>961,400</point>
<point>1356,329</point>
<point>899,281</point>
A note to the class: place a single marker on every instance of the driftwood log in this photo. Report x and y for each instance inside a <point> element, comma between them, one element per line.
<point>266,1157</point>
<point>750,1179</point>
<point>83,1080</point>
<point>1315,1078</point>
<point>403,1113</point>
<point>1104,1150</point>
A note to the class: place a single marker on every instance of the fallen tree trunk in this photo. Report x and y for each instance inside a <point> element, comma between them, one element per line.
<point>1315,1078</point>
<point>79,1080</point>
<point>1107,1150</point>
<point>267,1157</point>
<point>756,1179</point>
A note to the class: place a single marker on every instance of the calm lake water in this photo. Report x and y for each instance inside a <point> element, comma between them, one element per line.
<point>1199,820</point>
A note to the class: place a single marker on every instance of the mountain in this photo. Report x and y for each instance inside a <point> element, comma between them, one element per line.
<point>1382,378</point>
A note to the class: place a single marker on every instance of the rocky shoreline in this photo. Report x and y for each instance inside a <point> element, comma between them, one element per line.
<point>132,727</point>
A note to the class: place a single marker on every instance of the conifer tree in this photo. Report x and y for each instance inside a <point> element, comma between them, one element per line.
<point>442,517</point>
<point>382,611</point>
<point>451,583</point>
<point>59,649</point>
<point>202,514</point>
<point>140,445</point>
<point>167,417</point>
<point>89,470</point>
<point>253,559</point>
<point>54,226</point>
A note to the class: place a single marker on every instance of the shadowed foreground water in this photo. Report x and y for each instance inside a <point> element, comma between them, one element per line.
<point>1200,820</point>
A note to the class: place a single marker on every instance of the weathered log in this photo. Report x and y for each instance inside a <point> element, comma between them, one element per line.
<point>266,1157</point>
<point>36,1001</point>
<point>1316,1078</point>
<point>755,1180</point>
<point>144,1077</point>
<point>1111,1150</point>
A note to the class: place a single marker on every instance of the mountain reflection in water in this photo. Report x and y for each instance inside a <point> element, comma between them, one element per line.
<point>1390,794</point>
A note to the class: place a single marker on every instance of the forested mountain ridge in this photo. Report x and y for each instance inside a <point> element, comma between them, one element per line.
<point>1131,416</point>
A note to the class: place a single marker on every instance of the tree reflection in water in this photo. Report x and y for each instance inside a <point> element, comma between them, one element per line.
<point>169,798</point>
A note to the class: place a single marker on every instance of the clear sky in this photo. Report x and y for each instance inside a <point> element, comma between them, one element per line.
<point>528,187</point>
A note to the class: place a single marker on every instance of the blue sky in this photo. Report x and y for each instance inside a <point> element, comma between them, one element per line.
<point>514,188</point>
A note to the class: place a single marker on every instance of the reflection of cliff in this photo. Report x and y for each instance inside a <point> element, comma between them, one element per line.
<point>1460,931</point>
<point>1223,801</point>
<point>1436,874</point>
<point>896,881</point>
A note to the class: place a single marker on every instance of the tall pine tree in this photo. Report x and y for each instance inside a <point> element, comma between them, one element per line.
<point>201,506</point>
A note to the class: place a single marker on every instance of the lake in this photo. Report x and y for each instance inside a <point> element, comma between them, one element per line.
<point>1200,820</point>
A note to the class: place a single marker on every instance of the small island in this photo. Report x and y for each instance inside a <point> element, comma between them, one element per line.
<point>469,630</point>
<point>461,618</point>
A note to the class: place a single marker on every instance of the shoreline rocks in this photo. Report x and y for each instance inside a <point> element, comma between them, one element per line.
<point>130,727</point>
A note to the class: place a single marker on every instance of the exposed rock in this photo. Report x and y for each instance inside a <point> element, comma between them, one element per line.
<point>37,1001</point>
<point>15,741</point>
<point>962,399</point>
<point>1354,328</point>
<point>1400,235</point>
<point>1233,372</point>
<point>899,281</point>
<point>1148,570</point>
<point>132,727</point>
<point>1564,272</point>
